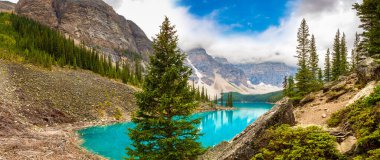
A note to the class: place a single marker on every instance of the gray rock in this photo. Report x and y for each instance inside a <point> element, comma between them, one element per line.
<point>91,21</point>
<point>6,6</point>
<point>268,73</point>
<point>241,147</point>
<point>208,66</point>
<point>368,70</point>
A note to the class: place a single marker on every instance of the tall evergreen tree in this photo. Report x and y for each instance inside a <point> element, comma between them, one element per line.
<point>304,76</point>
<point>320,76</point>
<point>221,98</point>
<point>290,87</point>
<point>336,58</point>
<point>343,53</point>
<point>313,60</point>
<point>285,84</point>
<point>355,53</point>
<point>327,73</point>
<point>163,127</point>
<point>368,13</point>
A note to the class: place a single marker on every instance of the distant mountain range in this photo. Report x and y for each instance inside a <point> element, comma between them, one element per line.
<point>216,74</point>
<point>97,25</point>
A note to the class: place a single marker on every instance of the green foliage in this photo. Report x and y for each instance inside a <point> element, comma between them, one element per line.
<point>229,99</point>
<point>269,97</point>
<point>285,143</point>
<point>306,76</point>
<point>289,87</point>
<point>355,53</point>
<point>163,127</point>
<point>313,60</point>
<point>343,54</point>
<point>363,118</point>
<point>40,45</point>
<point>327,71</point>
<point>336,60</point>
<point>369,14</point>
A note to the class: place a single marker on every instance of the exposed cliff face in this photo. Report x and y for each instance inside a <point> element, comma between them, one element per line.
<point>6,6</point>
<point>268,73</point>
<point>242,146</point>
<point>91,21</point>
<point>207,65</point>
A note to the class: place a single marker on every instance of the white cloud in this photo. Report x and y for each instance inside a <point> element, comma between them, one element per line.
<point>14,1</point>
<point>277,43</point>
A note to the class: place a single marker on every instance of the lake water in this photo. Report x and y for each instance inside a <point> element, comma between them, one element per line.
<point>217,126</point>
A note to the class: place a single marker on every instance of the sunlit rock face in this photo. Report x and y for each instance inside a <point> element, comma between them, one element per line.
<point>91,21</point>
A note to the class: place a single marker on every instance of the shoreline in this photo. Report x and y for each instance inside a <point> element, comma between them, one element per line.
<point>76,127</point>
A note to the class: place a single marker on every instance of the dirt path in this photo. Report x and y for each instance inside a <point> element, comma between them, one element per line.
<point>320,109</point>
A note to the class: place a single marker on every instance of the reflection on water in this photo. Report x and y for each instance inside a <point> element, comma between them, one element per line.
<point>216,126</point>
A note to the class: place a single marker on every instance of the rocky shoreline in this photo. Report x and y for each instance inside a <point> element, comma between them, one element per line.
<point>241,146</point>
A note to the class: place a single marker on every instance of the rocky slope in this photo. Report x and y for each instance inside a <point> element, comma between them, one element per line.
<point>41,109</point>
<point>91,21</point>
<point>217,74</point>
<point>6,6</point>
<point>241,147</point>
<point>313,110</point>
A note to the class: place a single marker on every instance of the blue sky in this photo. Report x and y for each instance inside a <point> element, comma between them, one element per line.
<point>245,30</point>
<point>240,15</point>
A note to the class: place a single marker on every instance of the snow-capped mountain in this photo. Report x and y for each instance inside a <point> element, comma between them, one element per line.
<point>217,74</point>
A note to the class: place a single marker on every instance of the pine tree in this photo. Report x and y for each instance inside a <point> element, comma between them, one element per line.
<point>313,61</point>
<point>221,98</point>
<point>369,13</point>
<point>336,59</point>
<point>163,127</point>
<point>343,53</point>
<point>304,76</point>
<point>285,85</point>
<point>231,100</point>
<point>290,87</point>
<point>327,73</point>
<point>203,93</point>
<point>320,76</point>
<point>355,53</point>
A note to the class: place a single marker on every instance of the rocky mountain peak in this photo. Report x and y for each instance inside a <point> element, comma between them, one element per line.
<point>91,21</point>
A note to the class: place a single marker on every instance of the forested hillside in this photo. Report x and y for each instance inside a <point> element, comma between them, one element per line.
<point>23,39</point>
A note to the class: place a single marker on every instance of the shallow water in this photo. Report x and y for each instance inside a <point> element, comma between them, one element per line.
<point>217,126</point>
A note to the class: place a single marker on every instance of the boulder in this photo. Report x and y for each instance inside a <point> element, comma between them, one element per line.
<point>241,147</point>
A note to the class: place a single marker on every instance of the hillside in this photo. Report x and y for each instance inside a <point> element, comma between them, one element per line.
<point>344,114</point>
<point>6,6</point>
<point>92,21</point>
<point>41,109</point>
<point>42,105</point>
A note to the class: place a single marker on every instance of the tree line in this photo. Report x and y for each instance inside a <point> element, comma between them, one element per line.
<point>310,77</point>
<point>41,45</point>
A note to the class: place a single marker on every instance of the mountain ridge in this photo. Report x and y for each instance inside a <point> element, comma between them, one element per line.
<point>93,22</point>
<point>216,74</point>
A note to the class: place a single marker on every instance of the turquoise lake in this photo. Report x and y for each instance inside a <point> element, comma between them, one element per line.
<point>217,126</point>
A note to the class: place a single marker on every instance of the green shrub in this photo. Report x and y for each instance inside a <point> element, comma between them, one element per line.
<point>363,117</point>
<point>285,142</point>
